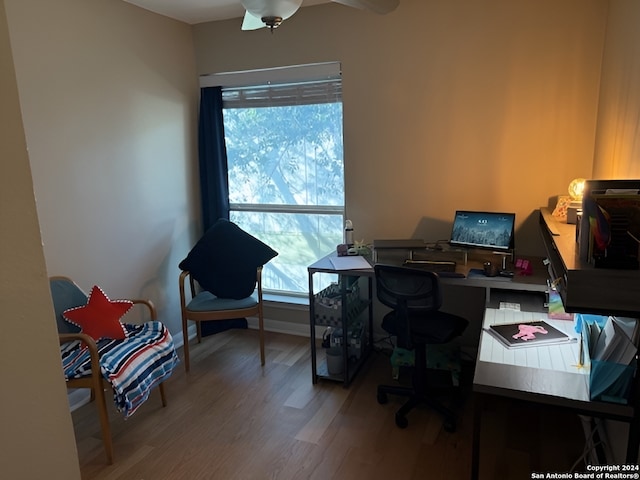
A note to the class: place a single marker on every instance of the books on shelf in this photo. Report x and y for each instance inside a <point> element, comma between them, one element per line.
<point>529,334</point>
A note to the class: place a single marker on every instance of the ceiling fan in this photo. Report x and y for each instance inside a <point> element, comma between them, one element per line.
<point>271,13</point>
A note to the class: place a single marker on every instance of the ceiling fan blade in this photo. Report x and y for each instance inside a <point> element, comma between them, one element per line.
<point>377,6</point>
<point>251,22</point>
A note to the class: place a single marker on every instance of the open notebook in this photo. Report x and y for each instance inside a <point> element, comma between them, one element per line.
<point>529,334</point>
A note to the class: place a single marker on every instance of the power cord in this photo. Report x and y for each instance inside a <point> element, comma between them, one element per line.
<point>386,341</point>
<point>589,451</point>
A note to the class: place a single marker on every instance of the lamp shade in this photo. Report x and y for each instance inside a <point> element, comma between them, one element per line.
<point>271,8</point>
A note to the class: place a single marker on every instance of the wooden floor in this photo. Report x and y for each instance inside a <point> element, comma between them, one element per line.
<point>230,418</point>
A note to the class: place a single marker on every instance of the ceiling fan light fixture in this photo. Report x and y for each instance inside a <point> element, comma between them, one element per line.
<point>271,12</point>
<point>272,21</point>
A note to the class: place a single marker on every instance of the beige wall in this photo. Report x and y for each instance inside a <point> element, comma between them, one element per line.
<point>617,153</point>
<point>489,104</point>
<point>108,94</point>
<point>109,98</point>
<point>35,418</point>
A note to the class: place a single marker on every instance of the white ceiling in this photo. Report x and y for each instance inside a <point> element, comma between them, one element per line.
<point>198,11</point>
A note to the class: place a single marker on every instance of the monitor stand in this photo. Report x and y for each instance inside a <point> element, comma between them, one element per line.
<point>461,250</point>
<point>503,261</point>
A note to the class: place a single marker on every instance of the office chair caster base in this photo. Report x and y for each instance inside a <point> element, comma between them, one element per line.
<point>401,421</point>
<point>382,398</point>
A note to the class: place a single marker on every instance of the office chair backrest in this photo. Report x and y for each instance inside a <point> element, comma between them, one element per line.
<point>407,288</point>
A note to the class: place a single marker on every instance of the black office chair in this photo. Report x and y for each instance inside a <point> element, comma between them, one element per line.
<point>415,297</point>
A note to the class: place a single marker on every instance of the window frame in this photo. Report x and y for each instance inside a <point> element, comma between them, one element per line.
<point>317,83</point>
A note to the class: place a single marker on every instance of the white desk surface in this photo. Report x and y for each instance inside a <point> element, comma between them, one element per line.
<point>548,370</point>
<point>546,374</point>
<point>562,358</point>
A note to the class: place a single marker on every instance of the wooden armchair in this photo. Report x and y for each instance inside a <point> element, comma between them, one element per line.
<point>200,306</point>
<point>92,364</point>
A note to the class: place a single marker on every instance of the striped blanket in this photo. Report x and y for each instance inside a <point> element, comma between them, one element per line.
<point>132,366</point>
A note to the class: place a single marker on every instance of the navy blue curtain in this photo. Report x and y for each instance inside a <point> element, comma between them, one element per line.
<point>214,181</point>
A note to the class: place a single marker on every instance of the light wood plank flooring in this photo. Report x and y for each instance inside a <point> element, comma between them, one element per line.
<point>230,418</point>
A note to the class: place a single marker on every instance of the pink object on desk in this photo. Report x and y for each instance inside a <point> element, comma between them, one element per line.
<point>528,332</point>
<point>524,266</point>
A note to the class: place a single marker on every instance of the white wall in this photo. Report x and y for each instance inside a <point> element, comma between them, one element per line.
<point>34,415</point>
<point>109,98</point>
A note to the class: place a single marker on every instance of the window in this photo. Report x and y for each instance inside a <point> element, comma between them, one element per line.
<point>286,170</point>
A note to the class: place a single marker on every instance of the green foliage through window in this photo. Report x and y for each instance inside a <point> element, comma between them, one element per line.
<point>286,184</point>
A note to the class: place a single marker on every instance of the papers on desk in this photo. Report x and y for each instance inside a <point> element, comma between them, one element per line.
<point>610,352</point>
<point>613,343</point>
<point>604,380</point>
<point>350,262</point>
<point>510,306</point>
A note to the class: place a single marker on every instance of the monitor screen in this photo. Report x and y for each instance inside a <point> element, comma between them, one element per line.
<point>483,230</point>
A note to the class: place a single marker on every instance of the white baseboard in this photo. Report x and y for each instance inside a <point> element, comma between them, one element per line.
<point>78,397</point>
<point>290,328</point>
<point>277,326</point>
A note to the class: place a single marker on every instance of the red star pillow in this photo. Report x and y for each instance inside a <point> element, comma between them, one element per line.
<point>100,317</point>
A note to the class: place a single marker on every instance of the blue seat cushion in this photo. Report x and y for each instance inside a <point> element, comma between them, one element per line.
<point>206,301</point>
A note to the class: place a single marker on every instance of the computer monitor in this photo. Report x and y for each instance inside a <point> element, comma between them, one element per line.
<point>488,230</point>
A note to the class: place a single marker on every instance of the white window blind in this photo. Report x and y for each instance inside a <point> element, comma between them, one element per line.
<point>308,93</point>
<point>294,85</point>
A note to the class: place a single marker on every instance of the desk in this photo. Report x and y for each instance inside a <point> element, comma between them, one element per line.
<point>545,375</point>
<point>536,282</point>
<point>519,283</point>
<point>469,261</point>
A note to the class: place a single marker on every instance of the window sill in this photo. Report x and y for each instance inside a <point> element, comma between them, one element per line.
<point>285,301</point>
